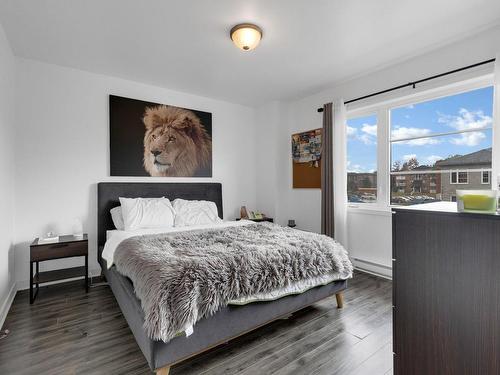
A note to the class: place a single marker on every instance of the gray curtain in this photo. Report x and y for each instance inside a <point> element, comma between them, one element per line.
<point>327,222</point>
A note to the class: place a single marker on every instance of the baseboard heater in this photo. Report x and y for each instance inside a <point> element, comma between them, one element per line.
<point>373,263</point>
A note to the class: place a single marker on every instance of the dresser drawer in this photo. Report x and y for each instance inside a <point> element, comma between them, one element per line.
<point>58,250</point>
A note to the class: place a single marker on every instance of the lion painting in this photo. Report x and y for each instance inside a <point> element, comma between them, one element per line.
<point>176,144</point>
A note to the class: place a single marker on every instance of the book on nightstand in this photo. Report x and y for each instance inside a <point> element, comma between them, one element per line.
<point>48,240</point>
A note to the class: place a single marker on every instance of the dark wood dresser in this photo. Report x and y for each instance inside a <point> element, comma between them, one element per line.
<point>446,274</point>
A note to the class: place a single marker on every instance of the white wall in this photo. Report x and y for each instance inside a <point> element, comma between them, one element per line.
<point>369,233</point>
<point>267,123</point>
<point>7,152</point>
<point>62,150</point>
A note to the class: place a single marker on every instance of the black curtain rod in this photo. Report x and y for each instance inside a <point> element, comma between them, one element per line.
<point>413,84</point>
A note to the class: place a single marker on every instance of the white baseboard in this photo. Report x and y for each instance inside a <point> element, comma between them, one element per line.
<point>24,284</point>
<point>4,309</point>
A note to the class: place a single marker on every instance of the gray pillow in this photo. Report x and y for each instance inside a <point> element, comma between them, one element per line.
<point>117,217</point>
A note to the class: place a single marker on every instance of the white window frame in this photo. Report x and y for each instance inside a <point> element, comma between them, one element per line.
<point>457,171</point>
<point>489,177</point>
<point>382,110</point>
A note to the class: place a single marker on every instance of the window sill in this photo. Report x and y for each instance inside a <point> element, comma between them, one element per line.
<point>369,208</point>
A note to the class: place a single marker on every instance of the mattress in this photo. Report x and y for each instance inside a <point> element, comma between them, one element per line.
<point>115,237</point>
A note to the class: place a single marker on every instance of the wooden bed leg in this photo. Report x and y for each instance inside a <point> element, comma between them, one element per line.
<point>163,371</point>
<point>340,300</point>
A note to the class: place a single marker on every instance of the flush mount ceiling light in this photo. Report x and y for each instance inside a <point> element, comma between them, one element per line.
<point>246,36</point>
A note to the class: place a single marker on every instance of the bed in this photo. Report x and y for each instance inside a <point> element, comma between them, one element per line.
<point>227,323</point>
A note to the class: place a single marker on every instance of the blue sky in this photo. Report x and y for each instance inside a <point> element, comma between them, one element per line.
<point>468,110</point>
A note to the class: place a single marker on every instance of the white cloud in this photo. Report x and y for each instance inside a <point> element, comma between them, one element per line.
<point>351,132</point>
<point>423,142</point>
<point>468,139</point>
<point>354,168</point>
<point>409,156</point>
<point>403,132</point>
<point>410,106</point>
<point>368,134</point>
<point>428,160</point>
<point>466,120</point>
<point>367,139</point>
<point>369,129</point>
<point>357,168</point>
<point>432,159</point>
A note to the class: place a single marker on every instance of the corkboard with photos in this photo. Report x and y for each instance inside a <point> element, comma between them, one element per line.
<point>306,159</point>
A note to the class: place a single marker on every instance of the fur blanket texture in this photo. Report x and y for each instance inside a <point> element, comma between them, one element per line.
<point>183,277</point>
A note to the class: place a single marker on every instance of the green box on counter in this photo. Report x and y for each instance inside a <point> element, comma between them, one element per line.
<point>477,201</point>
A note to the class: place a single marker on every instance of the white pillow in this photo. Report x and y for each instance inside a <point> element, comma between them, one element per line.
<point>195,213</point>
<point>140,213</point>
<point>117,217</point>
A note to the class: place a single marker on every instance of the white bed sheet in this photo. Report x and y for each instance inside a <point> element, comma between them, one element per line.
<point>115,237</point>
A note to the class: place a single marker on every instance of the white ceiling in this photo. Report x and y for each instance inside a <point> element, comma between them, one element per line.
<point>184,44</point>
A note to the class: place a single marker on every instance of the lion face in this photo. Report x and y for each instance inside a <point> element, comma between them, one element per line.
<point>165,146</point>
<point>175,142</point>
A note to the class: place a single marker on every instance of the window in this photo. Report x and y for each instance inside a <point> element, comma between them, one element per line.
<point>422,148</point>
<point>463,177</point>
<point>362,159</point>
<point>439,144</point>
<point>459,177</point>
<point>485,177</point>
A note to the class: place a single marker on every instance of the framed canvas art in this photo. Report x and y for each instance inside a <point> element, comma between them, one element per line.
<point>159,140</point>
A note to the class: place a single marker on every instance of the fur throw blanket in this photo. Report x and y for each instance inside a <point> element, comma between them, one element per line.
<point>183,277</point>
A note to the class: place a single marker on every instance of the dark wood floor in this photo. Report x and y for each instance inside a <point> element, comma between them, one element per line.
<point>69,332</point>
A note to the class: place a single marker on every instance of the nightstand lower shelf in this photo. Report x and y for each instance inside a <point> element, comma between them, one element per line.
<point>66,273</point>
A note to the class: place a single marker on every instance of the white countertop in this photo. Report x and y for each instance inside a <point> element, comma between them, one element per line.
<point>450,207</point>
<point>434,206</point>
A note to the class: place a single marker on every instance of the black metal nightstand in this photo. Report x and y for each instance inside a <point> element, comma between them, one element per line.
<point>66,247</point>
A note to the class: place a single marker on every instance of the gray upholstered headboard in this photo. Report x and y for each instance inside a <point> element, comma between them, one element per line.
<point>108,194</point>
